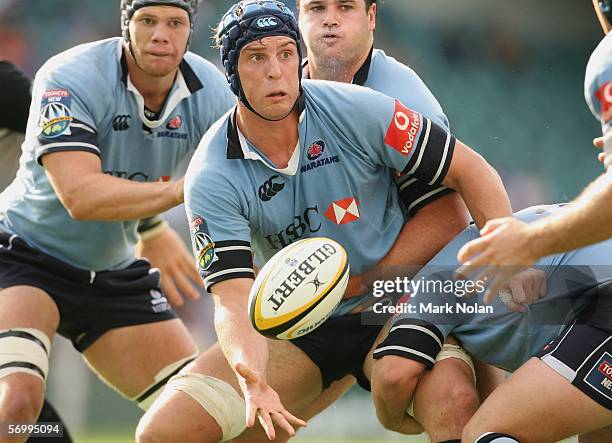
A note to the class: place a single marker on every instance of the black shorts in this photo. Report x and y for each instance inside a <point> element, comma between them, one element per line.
<point>89,303</point>
<point>582,353</point>
<point>339,347</point>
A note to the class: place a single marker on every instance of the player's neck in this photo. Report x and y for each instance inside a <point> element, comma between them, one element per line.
<point>334,69</point>
<point>275,139</point>
<point>153,89</point>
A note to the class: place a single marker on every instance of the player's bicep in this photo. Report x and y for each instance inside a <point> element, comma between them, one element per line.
<point>220,235</point>
<point>68,170</point>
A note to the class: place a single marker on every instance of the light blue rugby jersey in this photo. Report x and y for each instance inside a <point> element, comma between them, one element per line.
<point>598,83</point>
<point>388,76</point>
<point>503,338</point>
<point>83,100</point>
<point>338,182</point>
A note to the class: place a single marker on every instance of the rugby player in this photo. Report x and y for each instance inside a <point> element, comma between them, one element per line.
<point>274,170</point>
<point>109,123</point>
<point>339,38</point>
<point>537,404</point>
<point>513,244</point>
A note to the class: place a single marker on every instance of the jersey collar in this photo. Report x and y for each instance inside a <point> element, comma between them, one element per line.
<point>361,76</point>
<point>236,149</point>
<point>185,84</point>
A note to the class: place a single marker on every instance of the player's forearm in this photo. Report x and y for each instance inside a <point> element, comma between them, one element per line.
<point>482,190</point>
<point>238,340</point>
<point>106,198</point>
<point>587,221</point>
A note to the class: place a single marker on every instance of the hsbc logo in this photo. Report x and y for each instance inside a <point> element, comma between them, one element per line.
<point>344,211</point>
<point>266,22</point>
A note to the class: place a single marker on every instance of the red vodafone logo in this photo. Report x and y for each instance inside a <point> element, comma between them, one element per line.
<point>604,95</point>
<point>404,129</point>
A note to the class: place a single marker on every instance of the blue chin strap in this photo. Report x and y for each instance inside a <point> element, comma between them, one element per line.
<point>248,21</point>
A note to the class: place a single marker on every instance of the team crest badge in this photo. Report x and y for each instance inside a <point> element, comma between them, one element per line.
<point>55,117</point>
<point>175,123</point>
<point>316,150</point>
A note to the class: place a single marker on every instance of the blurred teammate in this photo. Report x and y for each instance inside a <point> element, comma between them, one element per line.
<point>339,37</point>
<point>14,104</point>
<point>536,404</point>
<point>295,160</point>
<point>513,244</point>
<point>109,123</point>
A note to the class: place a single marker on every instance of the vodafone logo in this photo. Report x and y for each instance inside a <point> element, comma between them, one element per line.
<point>403,131</point>
<point>266,22</point>
<point>402,121</point>
<point>604,95</point>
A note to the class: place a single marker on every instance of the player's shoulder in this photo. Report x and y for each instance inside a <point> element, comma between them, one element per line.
<point>212,87</point>
<point>84,66</point>
<point>337,95</point>
<point>206,71</point>
<point>211,155</point>
<point>601,56</point>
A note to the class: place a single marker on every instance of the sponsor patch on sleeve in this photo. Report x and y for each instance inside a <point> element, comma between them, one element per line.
<point>55,117</point>
<point>604,96</point>
<point>600,376</point>
<point>403,129</point>
<point>203,246</point>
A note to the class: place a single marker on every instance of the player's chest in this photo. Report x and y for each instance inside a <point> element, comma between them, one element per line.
<point>130,149</point>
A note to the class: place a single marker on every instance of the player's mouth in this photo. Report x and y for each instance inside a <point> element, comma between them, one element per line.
<point>330,37</point>
<point>277,95</point>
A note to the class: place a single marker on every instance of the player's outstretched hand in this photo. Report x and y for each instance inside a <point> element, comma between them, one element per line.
<point>263,401</point>
<point>502,251</point>
<point>167,252</point>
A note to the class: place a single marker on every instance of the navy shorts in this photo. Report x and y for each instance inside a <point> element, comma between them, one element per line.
<point>90,304</point>
<point>339,347</point>
<point>582,353</point>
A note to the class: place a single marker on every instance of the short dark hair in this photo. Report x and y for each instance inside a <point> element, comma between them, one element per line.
<point>368,3</point>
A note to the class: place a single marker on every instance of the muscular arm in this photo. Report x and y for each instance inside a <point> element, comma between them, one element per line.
<point>421,238</point>
<point>239,341</point>
<point>89,194</point>
<point>479,185</point>
<point>587,221</point>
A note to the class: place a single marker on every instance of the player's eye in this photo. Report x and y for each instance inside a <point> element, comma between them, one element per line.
<point>176,23</point>
<point>147,21</point>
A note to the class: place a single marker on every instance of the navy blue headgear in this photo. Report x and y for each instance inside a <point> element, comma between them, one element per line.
<point>129,7</point>
<point>252,20</point>
<point>605,6</point>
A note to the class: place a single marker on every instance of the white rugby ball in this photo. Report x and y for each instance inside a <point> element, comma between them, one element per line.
<point>299,288</point>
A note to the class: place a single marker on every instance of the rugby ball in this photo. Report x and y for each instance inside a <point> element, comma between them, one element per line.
<point>299,288</point>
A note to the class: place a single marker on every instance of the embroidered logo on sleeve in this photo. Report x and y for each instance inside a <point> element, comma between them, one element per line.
<point>55,117</point>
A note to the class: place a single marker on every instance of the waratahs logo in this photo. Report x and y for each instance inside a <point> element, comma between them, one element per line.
<point>174,123</point>
<point>266,22</point>
<point>316,150</point>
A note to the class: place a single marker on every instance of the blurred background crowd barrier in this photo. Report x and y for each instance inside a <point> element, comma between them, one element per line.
<point>509,75</point>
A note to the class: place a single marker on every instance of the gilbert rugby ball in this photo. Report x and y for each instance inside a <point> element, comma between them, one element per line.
<point>299,288</point>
